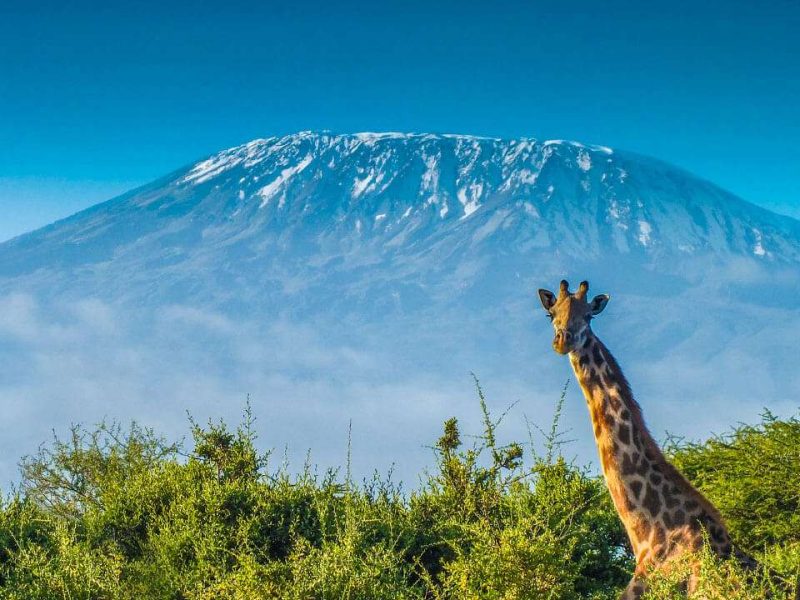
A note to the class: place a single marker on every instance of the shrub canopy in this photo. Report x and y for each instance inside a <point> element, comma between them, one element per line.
<point>121,513</point>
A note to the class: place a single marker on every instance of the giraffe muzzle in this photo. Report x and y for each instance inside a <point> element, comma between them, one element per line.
<point>562,341</point>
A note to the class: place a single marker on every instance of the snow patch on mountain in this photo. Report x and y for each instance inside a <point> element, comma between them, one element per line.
<point>249,154</point>
<point>470,197</point>
<point>584,161</point>
<point>269,191</point>
<point>758,248</point>
<point>644,233</point>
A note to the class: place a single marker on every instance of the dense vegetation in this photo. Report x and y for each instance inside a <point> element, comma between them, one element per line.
<point>113,513</point>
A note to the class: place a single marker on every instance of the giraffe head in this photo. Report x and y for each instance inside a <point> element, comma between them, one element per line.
<point>571,314</point>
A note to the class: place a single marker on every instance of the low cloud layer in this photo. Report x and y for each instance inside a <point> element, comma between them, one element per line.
<point>89,360</point>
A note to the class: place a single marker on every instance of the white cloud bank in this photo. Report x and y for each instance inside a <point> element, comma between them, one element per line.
<point>88,360</point>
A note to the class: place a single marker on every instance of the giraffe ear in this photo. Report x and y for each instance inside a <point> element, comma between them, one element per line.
<point>548,299</point>
<point>598,303</point>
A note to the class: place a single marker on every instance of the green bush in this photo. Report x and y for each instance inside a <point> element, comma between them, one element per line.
<point>112,513</point>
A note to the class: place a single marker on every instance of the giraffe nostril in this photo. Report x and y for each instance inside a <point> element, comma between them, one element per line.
<point>567,336</point>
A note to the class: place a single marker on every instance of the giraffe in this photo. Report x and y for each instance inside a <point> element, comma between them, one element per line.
<point>663,514</point>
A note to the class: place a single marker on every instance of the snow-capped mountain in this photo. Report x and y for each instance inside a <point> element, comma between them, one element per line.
<point>274,218</point>
<point>363,276</point>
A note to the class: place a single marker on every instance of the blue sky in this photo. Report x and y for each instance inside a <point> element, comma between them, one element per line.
<point>97,97</point>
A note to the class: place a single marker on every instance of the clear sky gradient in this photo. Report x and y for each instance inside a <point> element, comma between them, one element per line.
<point>97,97</point>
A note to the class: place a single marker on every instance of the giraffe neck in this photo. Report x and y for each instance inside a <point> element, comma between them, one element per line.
<point>616,416</point>
<point>619,429</point>
<point>658,507</point>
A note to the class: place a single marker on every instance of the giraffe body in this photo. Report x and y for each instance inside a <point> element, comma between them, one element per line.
<point>664,516</point>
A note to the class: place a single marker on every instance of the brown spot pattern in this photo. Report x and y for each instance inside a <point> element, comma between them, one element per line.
<point>636,488</point>
<point>669,496</point>
<point>624,434</point>
<point>651,501</point>
<point>628,466</point>
<point>597,355</point>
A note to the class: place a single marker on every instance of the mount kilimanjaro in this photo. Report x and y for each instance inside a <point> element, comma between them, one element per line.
<point>339,277</point>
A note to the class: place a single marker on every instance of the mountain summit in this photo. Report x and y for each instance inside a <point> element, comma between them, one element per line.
<point>337,276</point>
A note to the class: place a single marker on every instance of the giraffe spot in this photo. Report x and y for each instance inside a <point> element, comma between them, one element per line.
<point>583,360</point>
<point>694,525</point>
<point>648,453</point>
<point>587,342</point>
<point>628,466</point>
<point>669,498</point>
<point>717,533</point>
<point>679,517</point>
<point>626,415</point>
<point>643,467</point>
<point>637,438</point>
<point>651,501</point>
<point>667,520</point>
<point>691,505</point>
<point>655,478</point>
<point>624,434</point>
<point>597,355</point>
<point>657,467</point>
<point>636,488</point>
<point>607,381</point>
